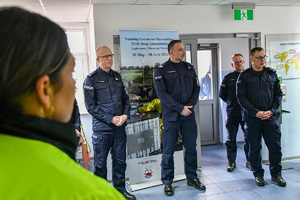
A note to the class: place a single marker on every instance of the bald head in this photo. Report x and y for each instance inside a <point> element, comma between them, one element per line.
<point>103,51</point>
<point>104,58</point>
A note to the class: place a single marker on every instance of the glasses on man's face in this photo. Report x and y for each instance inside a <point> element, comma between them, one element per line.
<point>239,62</point>
<point>107,56</point>
<point>262,57</point>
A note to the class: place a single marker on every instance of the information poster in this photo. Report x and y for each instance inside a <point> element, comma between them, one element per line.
<point>285,57</point>
<point>141,53</point>
<point>145,48</point>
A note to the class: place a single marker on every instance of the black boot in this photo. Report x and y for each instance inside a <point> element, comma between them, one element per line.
<point>168,190</point>
<point>129,196</point>
<point>231,166</point>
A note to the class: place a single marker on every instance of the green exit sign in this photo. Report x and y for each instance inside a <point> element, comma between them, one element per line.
<point>243,14</point>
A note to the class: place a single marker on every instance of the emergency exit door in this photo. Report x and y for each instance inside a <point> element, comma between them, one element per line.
<point>204,57</point>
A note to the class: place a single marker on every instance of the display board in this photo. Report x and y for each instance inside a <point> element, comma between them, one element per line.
<point>145,48</point>
<point>141,53</point>
<point>144,155</point>
<point>284,55</point>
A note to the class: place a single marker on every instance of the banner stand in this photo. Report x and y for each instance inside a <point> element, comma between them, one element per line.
<point>144,185</point>
<point>145,172</point>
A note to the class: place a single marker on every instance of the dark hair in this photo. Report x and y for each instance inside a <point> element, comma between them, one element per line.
<point>171,44</point>
<point>256,49</point>
<point>31,46</point>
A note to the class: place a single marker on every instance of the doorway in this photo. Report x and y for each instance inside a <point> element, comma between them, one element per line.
<point>212,52</point>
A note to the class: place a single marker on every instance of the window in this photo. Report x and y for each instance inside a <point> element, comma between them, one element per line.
<point>77,40</point>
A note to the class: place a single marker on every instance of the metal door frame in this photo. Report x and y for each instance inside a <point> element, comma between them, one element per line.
<point>214,47</point>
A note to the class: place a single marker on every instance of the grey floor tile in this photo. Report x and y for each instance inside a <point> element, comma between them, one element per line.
<point>234,186</point>
<point>293,188</point>
<point>285,197</point>
<point>213,189</point>
<point>217,178</point>
<point>222,185</point>
<point>288,171</point>
<point>187,192</point>
<point>246,195</point>
<point>205,180</point>
<point>271,191</point>
<point>224,196</point>
<point>294,176</point>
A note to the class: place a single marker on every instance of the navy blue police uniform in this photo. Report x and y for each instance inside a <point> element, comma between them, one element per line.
<point>106,97</point>
<point>260,91</point>
<point>177,85</point>
<point>75,117</point>
<point>234,115</point>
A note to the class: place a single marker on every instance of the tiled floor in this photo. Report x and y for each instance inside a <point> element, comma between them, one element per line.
<point>222,185</point>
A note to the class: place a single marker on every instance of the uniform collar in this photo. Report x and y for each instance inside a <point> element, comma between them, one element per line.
<point>173,62</point>
<point>110,71</point>
<point>62,135</point>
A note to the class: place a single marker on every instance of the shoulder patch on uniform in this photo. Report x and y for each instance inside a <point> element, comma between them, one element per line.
<point>188,65</point>
<point>93,73</point>
<point>162,65</point>
<point>157,77</point>
<point>270,69</point>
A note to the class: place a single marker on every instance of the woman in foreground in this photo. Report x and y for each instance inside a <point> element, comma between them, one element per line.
<point>37,145</point>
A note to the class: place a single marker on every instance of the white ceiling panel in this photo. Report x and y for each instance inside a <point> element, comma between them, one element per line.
<point>78,10</point>
<point>113,2</point>
<point>241,1</point>
<point>19,3</point>
<point>275,2</point>
<point>59,3</point>
<point>297,3</point>
<point>158,2</point>
<point>200,2</point>
<point>74,14</point>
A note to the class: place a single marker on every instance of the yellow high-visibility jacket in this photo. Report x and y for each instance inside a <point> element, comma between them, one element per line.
<point>33,169</point>
<point>151,106</point>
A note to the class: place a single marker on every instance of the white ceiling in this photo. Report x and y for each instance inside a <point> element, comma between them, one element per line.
<point>78,10</point>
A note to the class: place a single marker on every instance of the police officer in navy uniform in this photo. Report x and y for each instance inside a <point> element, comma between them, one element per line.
<point>107,101</point>
<point>177,86</point>
<point>234,116</point>
<point>259,94</point>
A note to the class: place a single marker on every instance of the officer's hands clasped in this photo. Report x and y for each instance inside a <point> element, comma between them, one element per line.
<point>264,115</point>
<point>186,111</point>
<point>119,120</point>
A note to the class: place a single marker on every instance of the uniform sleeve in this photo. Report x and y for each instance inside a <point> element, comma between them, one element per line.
<point>223,90</point>
<point>241,94</point>
<point>77,116</point>
<point>91,102</point>
<point>196,88</point>
<point>126,103</point>
<point>162,94</point>
<point>277,96</point>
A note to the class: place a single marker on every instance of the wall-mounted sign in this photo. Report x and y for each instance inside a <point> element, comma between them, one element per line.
<point>141,48</point>
<point>243,14</point>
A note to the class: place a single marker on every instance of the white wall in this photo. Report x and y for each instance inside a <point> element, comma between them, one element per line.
<point>109,19</point>
<point>196,19</point>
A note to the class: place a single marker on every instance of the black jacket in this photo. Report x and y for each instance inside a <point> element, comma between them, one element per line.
<point>176,85</point>
<point>105,97</point>
<point>228,94</point>
<point>258,92</point>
